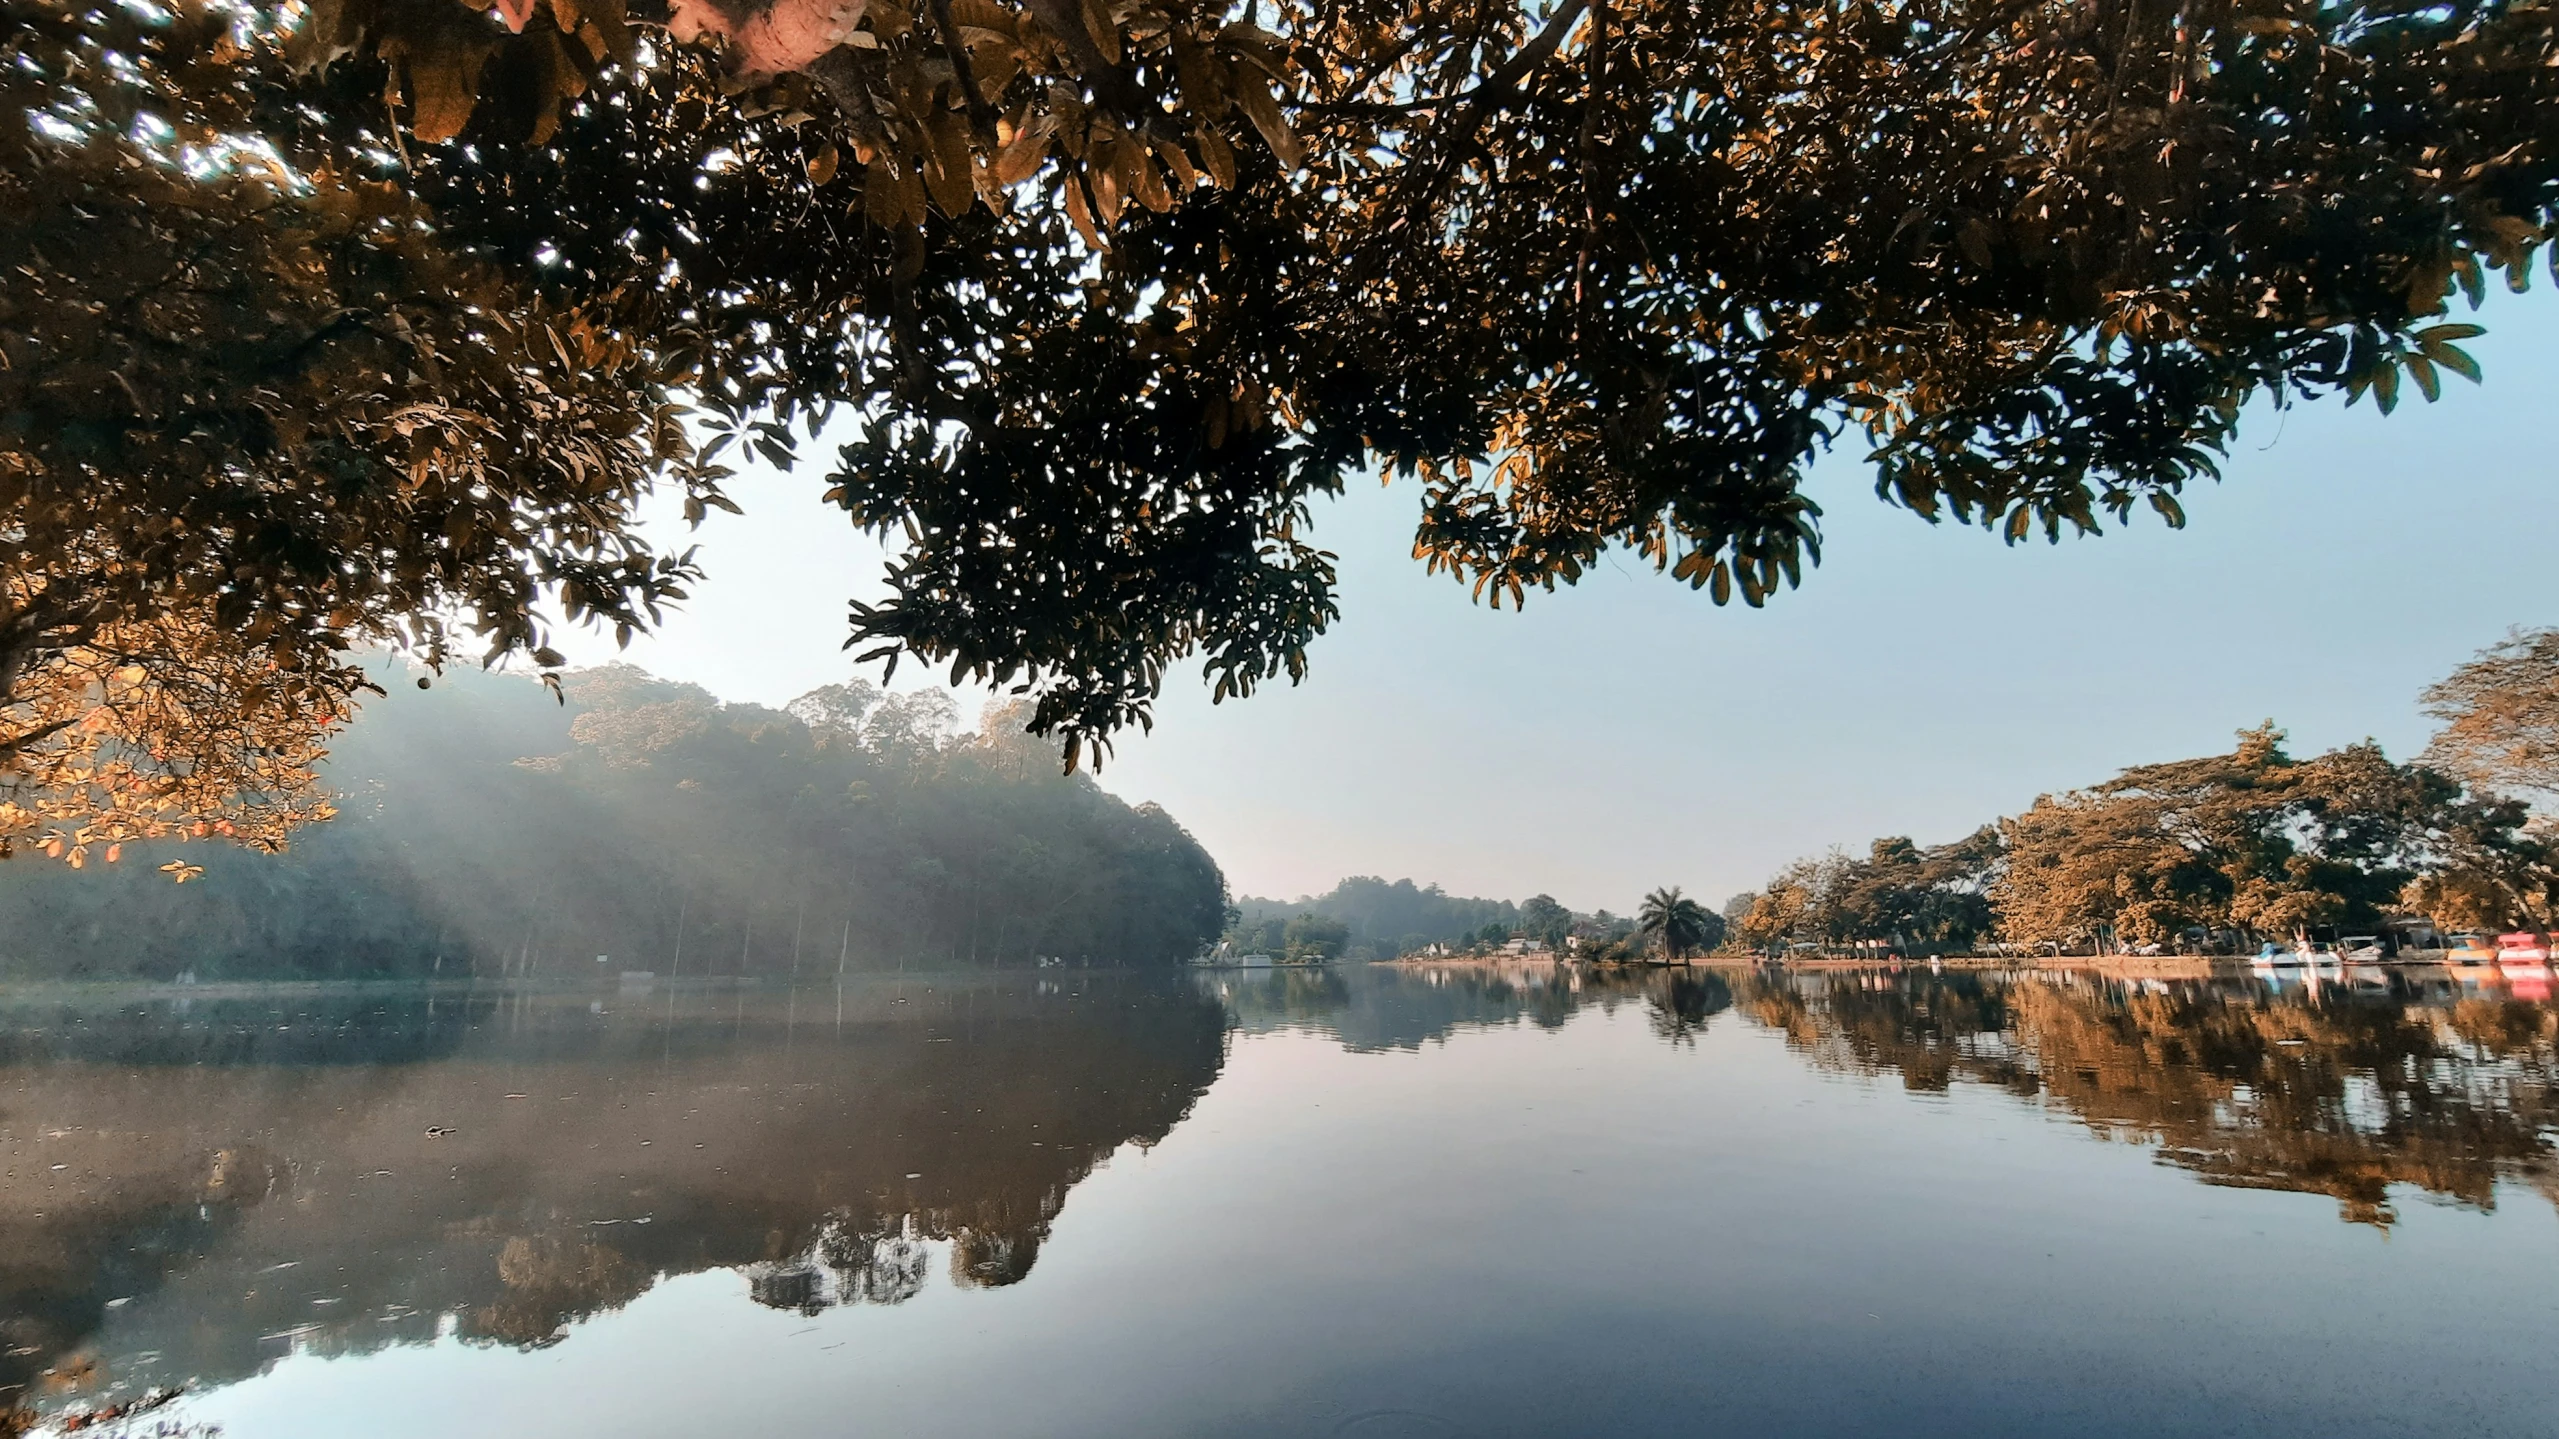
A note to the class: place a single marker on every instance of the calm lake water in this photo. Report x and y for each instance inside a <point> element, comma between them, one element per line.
<point>1367,1201</point>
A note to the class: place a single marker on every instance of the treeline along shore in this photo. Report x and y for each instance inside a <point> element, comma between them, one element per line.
<point>2213,855</point>
<point>484,829</point>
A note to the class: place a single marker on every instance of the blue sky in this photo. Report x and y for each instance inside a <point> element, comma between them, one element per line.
<point>1626,733</point>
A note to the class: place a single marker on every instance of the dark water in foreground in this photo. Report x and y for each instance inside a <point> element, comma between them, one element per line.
<point>1364,1202</point>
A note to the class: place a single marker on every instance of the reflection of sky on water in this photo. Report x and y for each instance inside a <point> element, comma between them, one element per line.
<point>1450,1201</point>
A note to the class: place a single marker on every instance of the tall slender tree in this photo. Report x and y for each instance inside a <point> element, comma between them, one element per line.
<point>1679,924</point>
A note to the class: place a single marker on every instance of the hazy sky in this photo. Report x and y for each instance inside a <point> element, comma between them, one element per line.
<point>1627,733</point>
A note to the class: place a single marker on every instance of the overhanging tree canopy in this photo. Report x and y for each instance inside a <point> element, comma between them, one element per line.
<point>1113,288</point>
<point>2500,713</point>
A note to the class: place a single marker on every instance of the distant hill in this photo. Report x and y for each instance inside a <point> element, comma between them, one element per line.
<point>485,828</point>
<point>1386,918</point>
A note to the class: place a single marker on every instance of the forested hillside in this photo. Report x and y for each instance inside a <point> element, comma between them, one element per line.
<point>1376,918</point>
<point>484,828</point>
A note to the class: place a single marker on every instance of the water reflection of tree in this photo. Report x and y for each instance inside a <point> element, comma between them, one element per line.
<point>874,1265</point>
<point>1682,1000</point>
<point>550,1281</point>
<point>828,1161</point>
<point>1374,1008</point>
<point>2331,1093</point>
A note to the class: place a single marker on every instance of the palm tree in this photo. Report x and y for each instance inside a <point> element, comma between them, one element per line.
<point>1681,923</point>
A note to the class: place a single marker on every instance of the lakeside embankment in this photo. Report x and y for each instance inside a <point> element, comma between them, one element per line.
<point>2164,967</point>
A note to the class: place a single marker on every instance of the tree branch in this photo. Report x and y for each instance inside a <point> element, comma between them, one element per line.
<point>1453,139</point>
<point>17,744</point>
<point>981,114</point>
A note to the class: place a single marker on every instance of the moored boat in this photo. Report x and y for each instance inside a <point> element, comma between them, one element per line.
<point>2470,949</point>
<point>2523,960</point>
<point>2524,946</point>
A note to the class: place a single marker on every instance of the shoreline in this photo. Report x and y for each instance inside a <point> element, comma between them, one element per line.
<point>2165,966</point>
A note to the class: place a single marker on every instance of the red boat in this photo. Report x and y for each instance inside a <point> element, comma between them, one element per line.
<point>2522,947</point>
<point>2523,959</point>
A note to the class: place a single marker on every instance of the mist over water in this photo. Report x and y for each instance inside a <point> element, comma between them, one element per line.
<point>1493,1199</point>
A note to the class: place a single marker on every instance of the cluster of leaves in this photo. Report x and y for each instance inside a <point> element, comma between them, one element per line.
<point>1612,275</point>
<point>253,414</point>
<point>375,307</point>
<point>2500,714</point>
<point>160,728</point>
<point>943,105</point>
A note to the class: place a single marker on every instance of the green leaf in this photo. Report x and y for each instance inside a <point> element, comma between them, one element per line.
<point>2423,370</point>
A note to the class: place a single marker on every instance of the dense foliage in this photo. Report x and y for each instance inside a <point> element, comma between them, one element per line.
<point>2500,714</point>
<point>256,411</point>
<point>1899,895</point>
<point>351,315</point>
<point>1680,925</point>
<point>2217,852</point>
<point>1377,919</point>
<point>1365,917</point>
<point>486,830</point>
